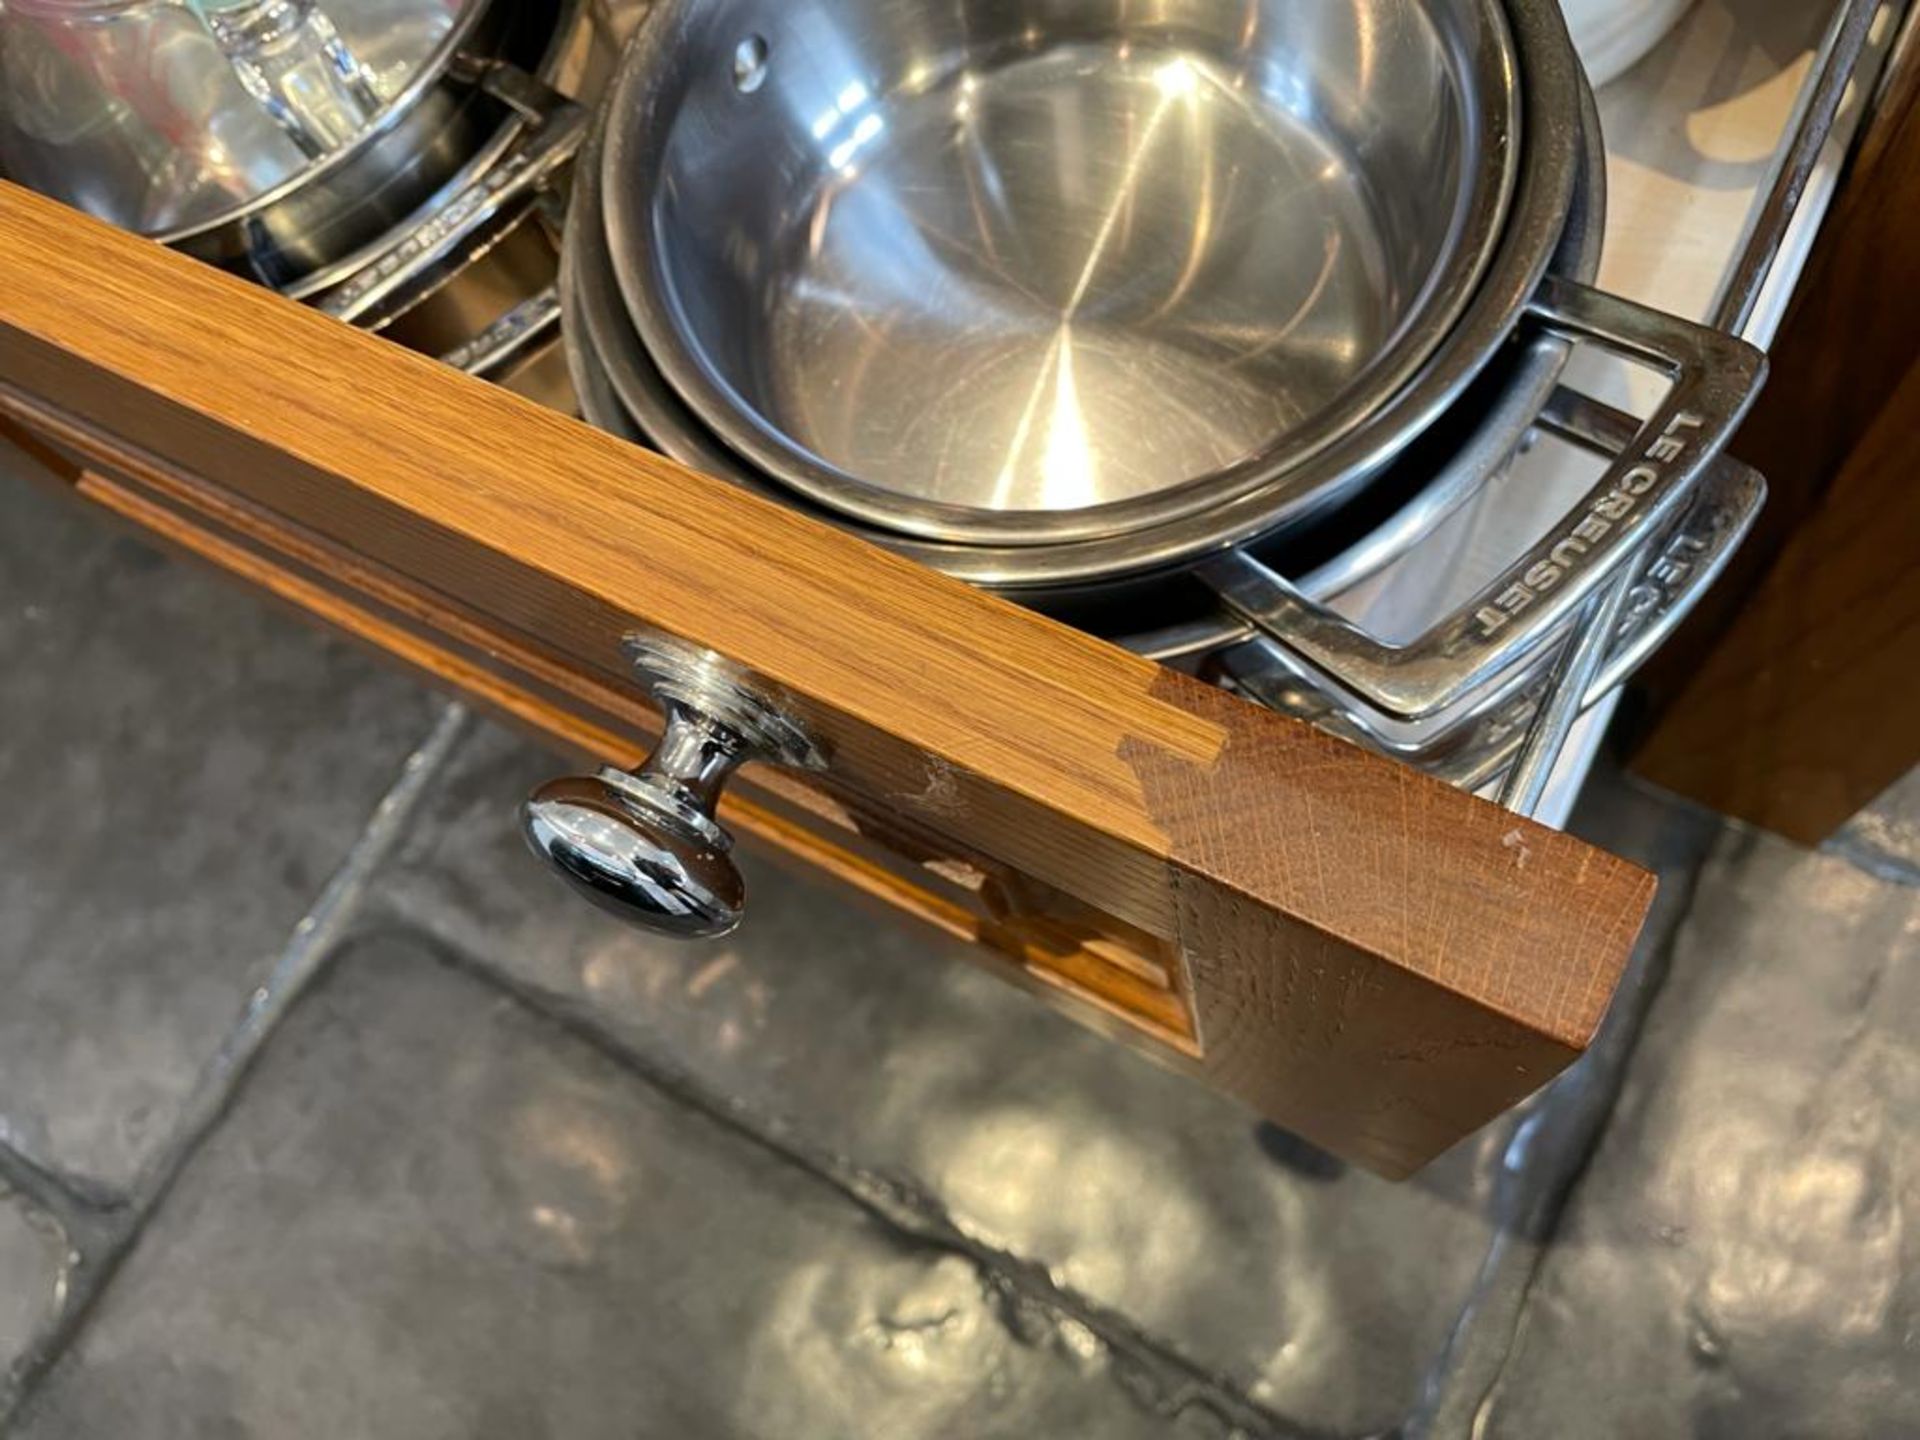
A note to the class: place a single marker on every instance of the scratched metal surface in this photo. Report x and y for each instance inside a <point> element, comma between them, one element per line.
<point>1743,1255</point>
<point>183,766</point>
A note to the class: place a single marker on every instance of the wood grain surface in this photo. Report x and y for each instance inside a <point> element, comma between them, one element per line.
<point>1789,699</point>
<point>1806,708</point>
<point>1373,959</point>
<point>1062,946</point>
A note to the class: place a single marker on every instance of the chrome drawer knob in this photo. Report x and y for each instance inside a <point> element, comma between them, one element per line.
<point>644,845</point>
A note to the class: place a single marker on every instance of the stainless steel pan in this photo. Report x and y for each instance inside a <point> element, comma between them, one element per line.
<point>194,161</point>
<point>1712,376</point>
<point>1025,273</point>
<point>491,127</point>
<point>1164,613</point>
<point>1482,738</point>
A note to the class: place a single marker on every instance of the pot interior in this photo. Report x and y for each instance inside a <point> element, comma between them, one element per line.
<point>1049,256</point>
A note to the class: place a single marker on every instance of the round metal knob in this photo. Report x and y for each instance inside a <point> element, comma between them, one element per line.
<point>645,845</point>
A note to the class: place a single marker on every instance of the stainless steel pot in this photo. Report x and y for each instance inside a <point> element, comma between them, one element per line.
<point>1181,618</point>
<point>1712,375</point>
<point>1167,613</point>
<point>455,130</point>
<point>163,117</point>
<point>520,169</point>
<point>301,224</point>
<point>515,131</point>
<point>1032,273</point>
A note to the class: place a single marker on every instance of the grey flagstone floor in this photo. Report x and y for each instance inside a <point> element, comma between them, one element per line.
<point>324,1112</point>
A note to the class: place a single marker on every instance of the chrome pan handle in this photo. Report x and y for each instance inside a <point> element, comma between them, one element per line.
<point>1488,733</point>
<point>1677,567</point>
<point>473,216</point>
<point>1714,379</point>
<point>1538,594</point>
<point>508,337</point>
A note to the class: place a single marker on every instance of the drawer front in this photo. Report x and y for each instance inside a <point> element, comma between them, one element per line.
<point>1366,955</point>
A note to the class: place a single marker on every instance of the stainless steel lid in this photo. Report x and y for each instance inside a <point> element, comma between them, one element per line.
<point>1033,273</point>
<point>168,118</point>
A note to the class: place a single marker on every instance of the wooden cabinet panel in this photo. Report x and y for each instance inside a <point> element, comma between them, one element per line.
<point>1372,958</point>
<point>1789,700</point>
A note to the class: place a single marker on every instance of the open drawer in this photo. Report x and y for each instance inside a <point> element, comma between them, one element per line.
<point>1371,958</point>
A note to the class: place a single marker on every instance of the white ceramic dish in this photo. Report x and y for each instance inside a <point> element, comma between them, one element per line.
<point>1612,35</point>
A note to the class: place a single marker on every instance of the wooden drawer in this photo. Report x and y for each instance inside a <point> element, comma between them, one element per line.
<point>1369,957</point>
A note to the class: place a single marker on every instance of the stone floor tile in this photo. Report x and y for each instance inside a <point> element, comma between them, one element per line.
<point>1560,1128</point>
<point>1325,1294</point>
<point>1885,836</point>
<point>31,1263</point>
<point>436,1213</point>
<point>1742,1259</point>
<point>184,766</point>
